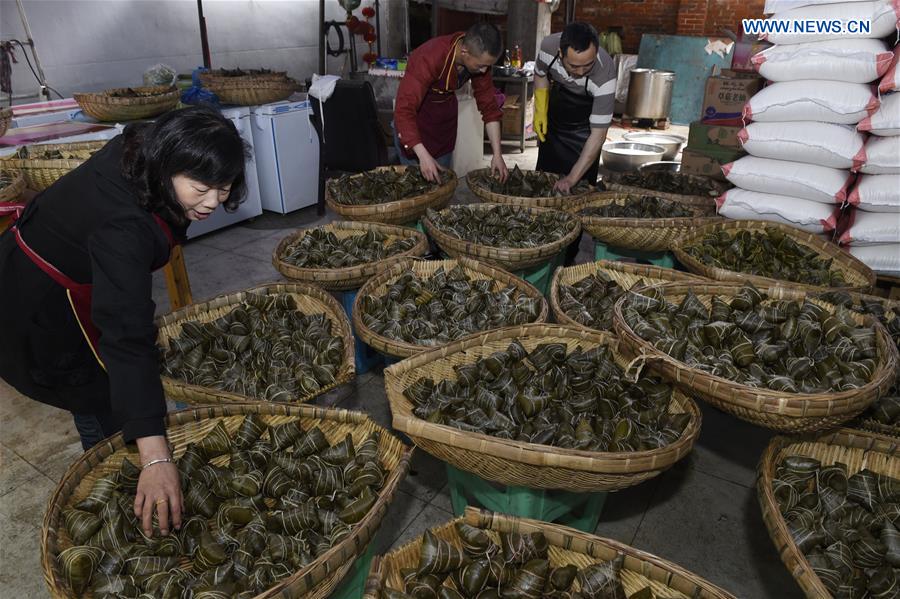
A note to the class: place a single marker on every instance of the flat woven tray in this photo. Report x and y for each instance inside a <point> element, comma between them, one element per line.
<point>251,91</point>
<point>400,212</point>
<point>379,284</point>
<point>515,462</point>
<point>856,449</point>
<point>566,546</point>
<point>626,274</point>
<point>787,412</point>
<point>310,300</point>
<point>511,259</point>
<point>491,197</point>
<point>859,277</point>
<point>351,277</point>
<point>316,580</point>
<point>105,106</point>
<point>645,234</point>
<point>41,173</point>
<point>13,191</point>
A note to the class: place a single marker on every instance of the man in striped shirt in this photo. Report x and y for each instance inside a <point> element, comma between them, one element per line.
<point>574,92</point>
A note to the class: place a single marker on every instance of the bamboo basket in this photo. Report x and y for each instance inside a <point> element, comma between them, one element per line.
<point>310,300</point>
<point>379,284</point>
<point>351,277</point>
<point>14,190</point>
<point>859,277</point>
<point>518,463</point>
<point>511,259</point>
<point>104,106</point>
<point>316,580</point>
<point>252,91</point>
<point>645,234</point>
<point>700,201</point>
<point>5,120</point>
<point>566,546</point>
<point>626,274</point>
<point>490,197</point>
<point>41,173</point>
<point>864,421</point>
<point>399,212</point>
<point>781,411</point>
<point>856,449</point>
<point>217,75</point>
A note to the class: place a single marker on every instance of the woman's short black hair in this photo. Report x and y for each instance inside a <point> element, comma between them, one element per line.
<point>197,142</point>
<point>578,36</point>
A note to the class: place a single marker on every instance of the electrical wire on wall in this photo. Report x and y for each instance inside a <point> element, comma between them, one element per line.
<point>7,58</point>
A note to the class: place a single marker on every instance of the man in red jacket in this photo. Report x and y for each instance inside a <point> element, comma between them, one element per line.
<point>425,114</point>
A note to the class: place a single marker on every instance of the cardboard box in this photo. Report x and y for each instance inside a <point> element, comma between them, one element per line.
<point>727,93</point>
<point>511,125</point>
<point>708,137</point>
<point>708,164</point>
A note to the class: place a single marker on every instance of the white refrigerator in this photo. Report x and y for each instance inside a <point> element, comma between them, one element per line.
<point>251,206</point>
<point>287,155</point>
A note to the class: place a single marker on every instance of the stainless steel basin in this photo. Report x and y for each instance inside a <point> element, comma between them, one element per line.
<point>629,155</point>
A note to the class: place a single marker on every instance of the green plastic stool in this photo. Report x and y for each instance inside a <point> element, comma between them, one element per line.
<point>417,225</point>
<point>604,252</point>
<point>541,275</point>
<point>354,582</point>
<point>578,510</point>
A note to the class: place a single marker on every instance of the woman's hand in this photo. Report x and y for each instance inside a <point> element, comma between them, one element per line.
<point>564,185</point>
<point>498,168</point>
<point>159,487</point>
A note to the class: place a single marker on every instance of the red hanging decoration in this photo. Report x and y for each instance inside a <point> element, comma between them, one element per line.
<point>366,30</point>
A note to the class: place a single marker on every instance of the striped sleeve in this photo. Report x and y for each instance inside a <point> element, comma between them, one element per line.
<point>603,88</point>
<point>549,48</point>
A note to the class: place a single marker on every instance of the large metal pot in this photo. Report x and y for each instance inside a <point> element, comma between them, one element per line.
<point>669,141</point>
<point>649,94</point>
<point>628,155</point>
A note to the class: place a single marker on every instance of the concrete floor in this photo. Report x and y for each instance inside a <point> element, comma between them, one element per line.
<point>702,514</point>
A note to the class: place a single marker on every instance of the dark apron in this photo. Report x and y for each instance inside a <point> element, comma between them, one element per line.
<point>79,294</point>
<point>568,129</point>
<point>439,111</point>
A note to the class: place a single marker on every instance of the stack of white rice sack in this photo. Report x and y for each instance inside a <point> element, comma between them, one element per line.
<point>872,226</point>
<point>803,144</point>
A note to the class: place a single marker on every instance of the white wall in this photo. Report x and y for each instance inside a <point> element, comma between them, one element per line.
<point>90,45</point>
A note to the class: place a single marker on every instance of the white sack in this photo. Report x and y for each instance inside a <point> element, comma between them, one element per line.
<point>849,60</point>
<point>775,6</point>
<point>794,179</point>
<point>807,100</point>
<point>891,80</point>
<point>826,144</point>
<point>882,156</point>
<point>871,228</point>
<point>882,15</point>
<point>884,259</point>
<point>886,120</point>
<point>876,193</point>
<point>813,217</point>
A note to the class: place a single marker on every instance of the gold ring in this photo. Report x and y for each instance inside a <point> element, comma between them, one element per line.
<point>159,501</point>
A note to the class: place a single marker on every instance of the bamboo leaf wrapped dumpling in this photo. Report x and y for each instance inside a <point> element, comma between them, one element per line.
<point>78,564</point>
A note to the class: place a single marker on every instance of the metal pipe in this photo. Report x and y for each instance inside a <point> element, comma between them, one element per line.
<point>204,41</point>
<point>42,79</point>
<point>321,37</point>
<point>378,26</point>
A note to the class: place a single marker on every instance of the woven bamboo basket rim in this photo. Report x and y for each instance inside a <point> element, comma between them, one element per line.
<point>639,568</point>
<point>787,405</point>
<point>191,424</point>
<point>104,106</point>
<point>217,74</point>
<point>311,296</point>
<point>237,84</point>
<point>349,277</point>
<point>701,200</point>
<point>532,455</point>
<point>378,285</point>
<point>42,163</point>
<point>625,274</point>
<point>13,191</point>
<point>859,276</point>
<point>512,259</point>
<point>398,211</point>
<point>857,449</point>
<point>492,197</point>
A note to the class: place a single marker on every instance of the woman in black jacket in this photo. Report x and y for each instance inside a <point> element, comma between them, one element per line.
<point>76,309</point>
